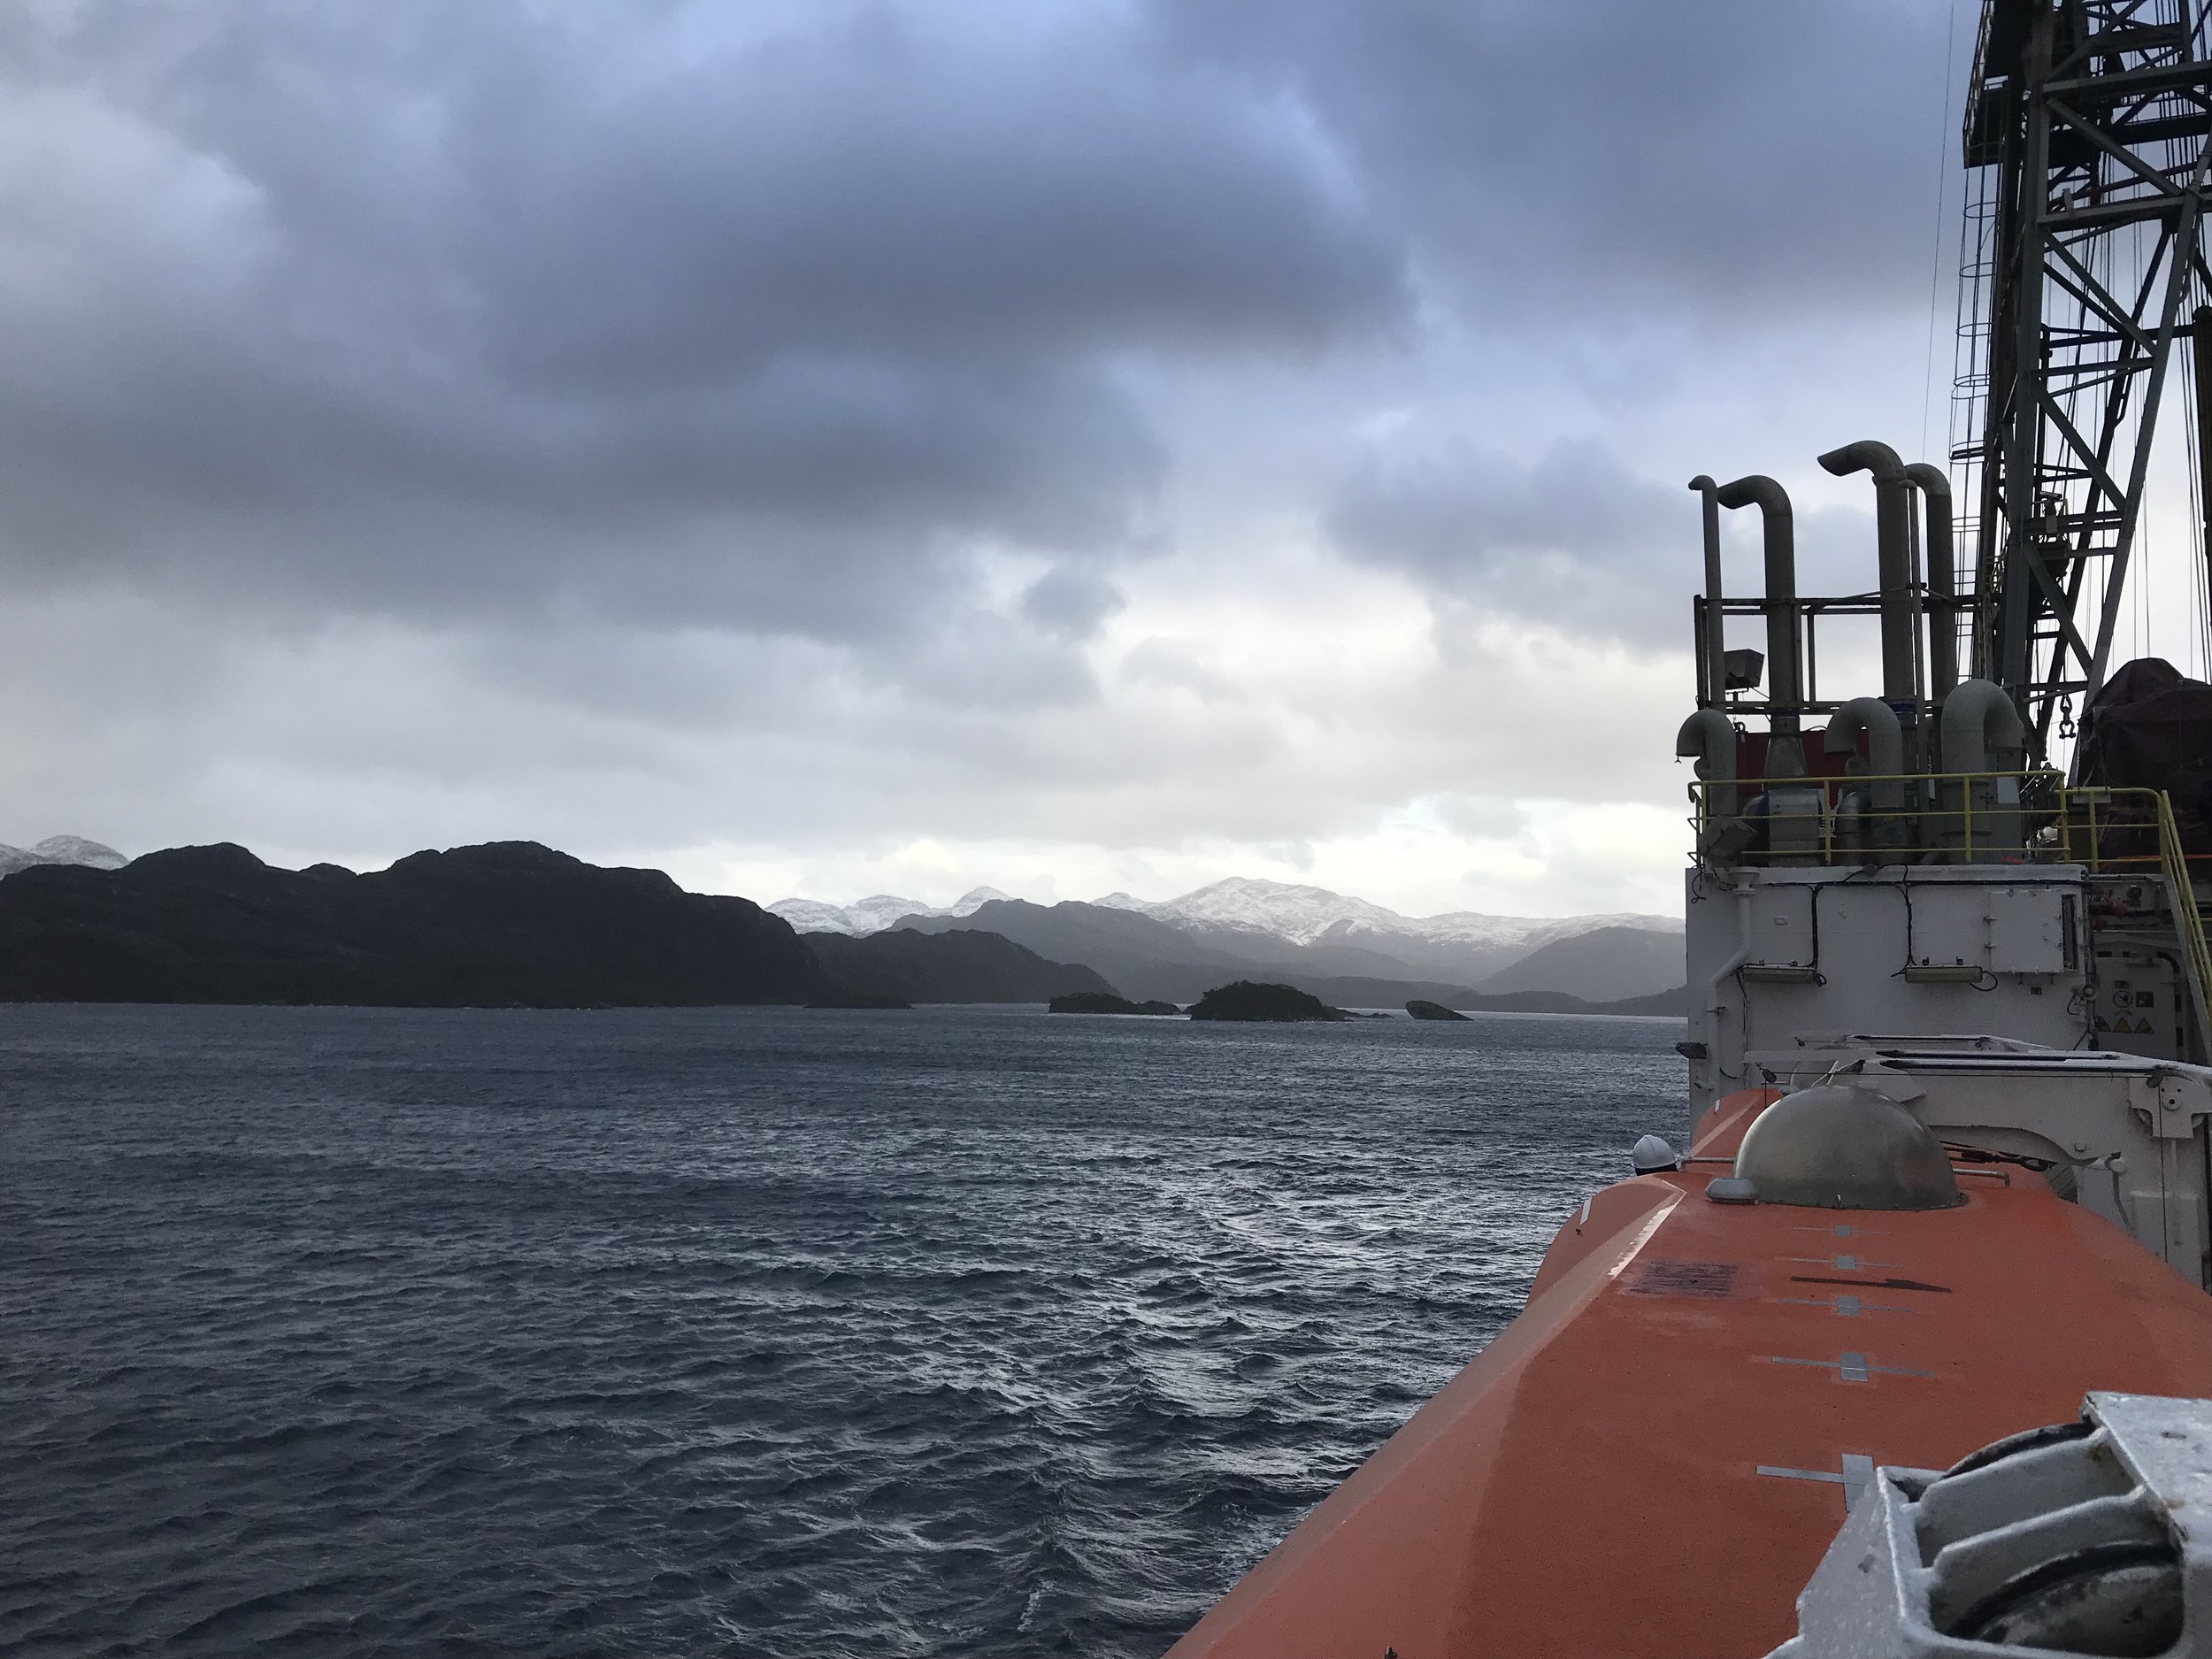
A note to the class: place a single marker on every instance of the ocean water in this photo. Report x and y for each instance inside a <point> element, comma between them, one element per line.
<point>751,1331</point>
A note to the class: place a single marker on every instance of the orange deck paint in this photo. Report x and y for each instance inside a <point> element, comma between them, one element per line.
<point>1651,1460</point>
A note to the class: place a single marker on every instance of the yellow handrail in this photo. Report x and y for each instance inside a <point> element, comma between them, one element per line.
<point>2069,811</point>
<point>1945,798</point>
<point>2180,891</point>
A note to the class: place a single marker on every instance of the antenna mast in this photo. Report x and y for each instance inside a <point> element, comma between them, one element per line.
<point>2086,154</point>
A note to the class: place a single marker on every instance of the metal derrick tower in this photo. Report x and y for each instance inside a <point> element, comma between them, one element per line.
<point>2085,144</point>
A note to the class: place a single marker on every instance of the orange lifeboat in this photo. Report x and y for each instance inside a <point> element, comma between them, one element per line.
<point>1653,1458</point>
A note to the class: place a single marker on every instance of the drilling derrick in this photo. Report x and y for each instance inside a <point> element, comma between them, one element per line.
<point>2086,145</point>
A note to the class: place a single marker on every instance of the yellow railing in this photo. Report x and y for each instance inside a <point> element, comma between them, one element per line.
<point>2173,862</point>
<point>1963,813</point>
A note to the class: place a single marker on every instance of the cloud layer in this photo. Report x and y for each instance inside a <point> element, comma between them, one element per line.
<point>1100,436</point>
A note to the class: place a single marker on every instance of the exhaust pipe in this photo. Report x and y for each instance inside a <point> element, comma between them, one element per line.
<point>1785,752</point>
<point>1885,758</point>
<point>1892,541</point>
<point>1980,724</point>
<point>1943,594</point>
<point>1715,645</point>
<point>1710,738</point>
<point>1982,732</point>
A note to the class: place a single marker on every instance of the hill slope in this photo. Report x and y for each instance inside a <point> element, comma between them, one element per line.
<point>960,966</point>
<point>1149,958</point>
<point>1600,966</point>
<point>1288,934</point>
<point>508,924</point>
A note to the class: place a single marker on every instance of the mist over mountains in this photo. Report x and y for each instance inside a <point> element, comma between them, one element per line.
<point>1346,950</point>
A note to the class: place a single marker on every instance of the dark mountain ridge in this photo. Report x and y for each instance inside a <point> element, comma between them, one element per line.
<point>1151,959</point>
<point>1604,965</point>
<point>955,967</point>
<point>505,924</point>
<point>514,923</point>
<point>508,924</point>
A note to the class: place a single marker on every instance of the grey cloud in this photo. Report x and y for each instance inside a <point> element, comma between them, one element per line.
<point>399,308</point>
<point>613,423</point>
<point>1572,538</point>
<point>1743,158</point>
<point>1485,818</point>
<point>1179,666</point>
<point>1071,604</point>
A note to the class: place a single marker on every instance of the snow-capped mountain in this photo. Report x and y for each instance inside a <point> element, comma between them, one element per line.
<point>873,914</point>
<point>60,850</point>
<point>1303,915</point>
<point>1279,930</point>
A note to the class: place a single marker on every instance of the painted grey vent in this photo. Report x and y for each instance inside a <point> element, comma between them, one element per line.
<point>2090,1537</point>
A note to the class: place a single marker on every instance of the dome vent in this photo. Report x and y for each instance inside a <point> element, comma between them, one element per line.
<point>1845,1147</point>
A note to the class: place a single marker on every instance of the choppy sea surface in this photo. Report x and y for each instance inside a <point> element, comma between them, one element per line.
<point>753,1332</point>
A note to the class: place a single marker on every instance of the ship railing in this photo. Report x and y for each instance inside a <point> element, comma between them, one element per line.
<point>1847,819</point>
<point>2133,812</point>
<point>2029,816</point>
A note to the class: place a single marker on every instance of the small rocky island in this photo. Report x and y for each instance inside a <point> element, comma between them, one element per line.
<point>1105,1002</point>
<point>1246,999</point>
<point>1421,1009</point>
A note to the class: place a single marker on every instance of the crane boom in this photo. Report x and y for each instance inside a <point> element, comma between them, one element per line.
<point>2085,143</point>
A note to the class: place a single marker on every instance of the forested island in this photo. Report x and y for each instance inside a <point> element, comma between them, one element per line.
<point>1244,999</point>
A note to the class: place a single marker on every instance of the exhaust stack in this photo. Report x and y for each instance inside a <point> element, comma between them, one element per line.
<point>1786,751</point>
<point>1884,759</point>
<point>1715,645</point>
<point>1892,539</point>
<point>1943,593</point>
<point>1983,733</point>
<point>1710,738</point>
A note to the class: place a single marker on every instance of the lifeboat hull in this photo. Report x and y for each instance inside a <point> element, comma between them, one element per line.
<point>1652,1459</point>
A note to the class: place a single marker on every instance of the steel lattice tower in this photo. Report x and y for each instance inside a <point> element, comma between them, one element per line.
<point>2086,145</point>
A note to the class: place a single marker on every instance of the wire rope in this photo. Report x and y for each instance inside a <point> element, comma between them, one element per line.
<point>1935,259</point>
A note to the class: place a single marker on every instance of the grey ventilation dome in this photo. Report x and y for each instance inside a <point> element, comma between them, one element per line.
<point>1845,1147</point>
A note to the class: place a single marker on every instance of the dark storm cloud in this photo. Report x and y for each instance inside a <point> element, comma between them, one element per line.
<point>427,310</point>
<point>772,318</point>
<point>1574,539</point>
<point>1072,604</point>
<point>649,426</point>
<point>1741,156</point>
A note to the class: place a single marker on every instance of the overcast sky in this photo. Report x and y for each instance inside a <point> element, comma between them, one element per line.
<point>827,448</point>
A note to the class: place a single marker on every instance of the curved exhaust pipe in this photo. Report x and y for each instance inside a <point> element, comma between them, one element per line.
<point>1785,753</point>
<point>1710,738</point>
<point>1884,758</point>
<point>1892,541</point>
<point>1943,594</point>
<point>1982,732</point>
<point>1980,725</point>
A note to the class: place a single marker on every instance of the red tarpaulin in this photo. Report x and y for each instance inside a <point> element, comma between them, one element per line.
<point>2150,727</point>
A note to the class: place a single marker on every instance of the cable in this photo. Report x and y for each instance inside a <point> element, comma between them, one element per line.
<point>1935,261</point>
